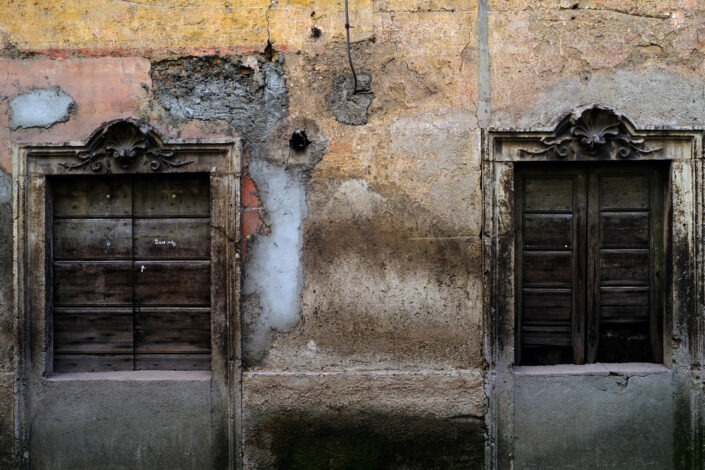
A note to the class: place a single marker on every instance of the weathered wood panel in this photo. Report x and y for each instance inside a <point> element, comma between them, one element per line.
<point>172,362</point>
<point>92,283</point>
<point>548,269</point>
<point>547,304</point>
<point>172,330</point>
<point>92,239</point>
<point>92,330</point>
<point>624,267</point>
<point>548,231</point>
<point>624,192</point>
<point>172,283</point>
<point>548,194</point>
<point>624,229</point>
<point>172,196</point>
<point>92,197</point>
<point>172,238</point>
<point>93,362</point>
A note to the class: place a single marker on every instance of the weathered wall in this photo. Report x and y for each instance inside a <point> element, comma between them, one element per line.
<point>362,267</point>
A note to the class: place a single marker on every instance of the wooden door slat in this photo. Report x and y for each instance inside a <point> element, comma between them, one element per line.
<point>548,232</point>
<point>624,267</point>
<point>172,283</point>
<point>169,238</point>
<point>80,239</point>
<point>553,194</point>
<point>172,330</point>
<point>624,229</point>
<point>627,192</point>
<point>93,331</point>
<point>93,362</point>
<point>547,269</point>
<point>91,197</point>
<point>175,196</point>
<point>92,283</point>
<point>172,361</point>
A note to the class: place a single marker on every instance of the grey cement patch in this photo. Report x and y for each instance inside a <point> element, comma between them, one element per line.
<point>43,107</point>
<point>347,106</point>
<point>250,93</point>
<point>576,422</point>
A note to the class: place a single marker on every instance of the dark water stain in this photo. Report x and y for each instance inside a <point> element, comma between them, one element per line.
<point>369,442</point>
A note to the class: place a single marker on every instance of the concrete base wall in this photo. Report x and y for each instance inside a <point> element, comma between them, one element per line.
<point>603,419</point>
<point>137,421</point>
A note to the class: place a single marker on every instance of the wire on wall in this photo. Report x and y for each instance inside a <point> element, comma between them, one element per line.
<point>347,34</point>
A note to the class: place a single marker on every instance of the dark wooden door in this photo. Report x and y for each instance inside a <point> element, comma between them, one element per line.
<point>590,248</point>
<point>131,273</point>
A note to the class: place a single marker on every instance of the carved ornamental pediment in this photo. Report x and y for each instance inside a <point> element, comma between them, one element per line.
<point>124,143</point>
<point>592,132</point>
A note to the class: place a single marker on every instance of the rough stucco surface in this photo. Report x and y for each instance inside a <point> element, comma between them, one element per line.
<point>362,258</point>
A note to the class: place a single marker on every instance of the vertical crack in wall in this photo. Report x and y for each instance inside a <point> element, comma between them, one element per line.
<point>251,94</point>
<point>483,76</point>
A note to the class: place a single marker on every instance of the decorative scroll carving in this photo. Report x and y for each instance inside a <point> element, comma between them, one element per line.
<point>124,142</point>
<point>592,132</point>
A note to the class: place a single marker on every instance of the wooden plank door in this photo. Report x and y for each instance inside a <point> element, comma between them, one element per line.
<point>131,273</point>
<point>92,274</point>
<point>172,272</point>
<point>551,208</point>
<point>625,279</point>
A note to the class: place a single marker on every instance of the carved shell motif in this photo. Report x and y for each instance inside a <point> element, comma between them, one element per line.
<point>123,142</point>
<point>592,132</point>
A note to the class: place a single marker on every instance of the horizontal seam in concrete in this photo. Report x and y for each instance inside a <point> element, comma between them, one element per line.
<point>600,369</point>
<point>133,376</point>
<point>455,372</point>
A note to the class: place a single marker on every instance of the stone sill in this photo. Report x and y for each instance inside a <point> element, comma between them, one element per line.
<point>134,376</point>
<point>626,369</point>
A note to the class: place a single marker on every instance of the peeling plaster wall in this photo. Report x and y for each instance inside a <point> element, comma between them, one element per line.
<point>361,255</point>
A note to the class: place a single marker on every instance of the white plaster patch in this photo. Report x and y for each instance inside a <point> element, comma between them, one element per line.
<point>40,108</point>
<point>274,272</point>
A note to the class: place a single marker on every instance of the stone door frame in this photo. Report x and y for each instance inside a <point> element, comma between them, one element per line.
<point>125,146</point>
<point>576,136</point>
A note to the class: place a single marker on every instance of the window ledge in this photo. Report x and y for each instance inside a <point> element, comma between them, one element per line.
<point>624,369</point>
<point>135,376</point>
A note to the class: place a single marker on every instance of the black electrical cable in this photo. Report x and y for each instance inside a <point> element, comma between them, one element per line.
<point>347,32</point>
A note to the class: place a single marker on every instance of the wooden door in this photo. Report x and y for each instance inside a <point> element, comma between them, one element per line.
<point>550,250</point>
<point>625,278</point>
<point>131,273</point>
<point>590,252</point>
